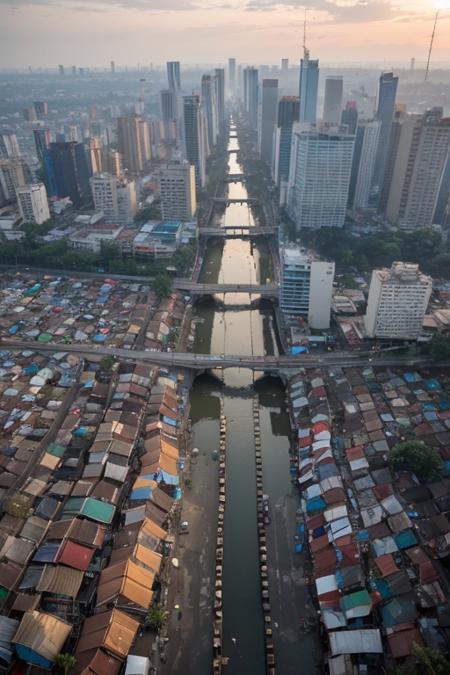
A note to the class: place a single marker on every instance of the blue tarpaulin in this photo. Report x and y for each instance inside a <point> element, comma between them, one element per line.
<point>405,539</point>
<point>169,420</point>
<point>297,349</point>
<point>315,504</point>
<point>141,493</point>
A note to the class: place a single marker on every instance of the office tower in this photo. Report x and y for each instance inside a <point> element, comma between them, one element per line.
<point>194,141</point>
<point>443,200</point>
<point>385,114</point>
<point>61,70</point>
<point>95,155</point>
<point>332,106</point>
<point>72,133</point>
<point>29,114</point>
<point>398,300</point>
<point>232,76</point>
<point>32,202</point>
<point>9,146</point>
<point>394,138</point>
<point>419,165</point>
<point>114,163</point>
<point>319,177</point>
<point>366,144</point>
<point>251,96</point>
<point>74,70</point>
<point>178,200</point>
<point>42,139</point>
<point>306,287</point>
<point>349,116</point>
<point>113,66</point>
<point>168,114</point>
<point>173,75</point>
<point>309,81</point>
<point>267,119</point>
<point>288,113</point>
<point>12,176</point>
<point>210,106</point>
<point>284,69</point>
<point>67,172</point>
<point>133,136</point>
<point>219,82</point>
<point>41,109</point>
<point>116,197</point>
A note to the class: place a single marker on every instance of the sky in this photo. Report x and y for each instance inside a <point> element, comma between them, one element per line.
<point>92,32</point>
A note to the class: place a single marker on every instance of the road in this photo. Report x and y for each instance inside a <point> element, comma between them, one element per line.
<point>207,361</point>
<point>192,288</point>
<point>74,273</point>
<point>238,232</point>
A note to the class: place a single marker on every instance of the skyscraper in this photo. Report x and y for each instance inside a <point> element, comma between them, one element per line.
<point>219,81</point>
<point>419,165</point>
<point>209,100</point>
<point>95,155</point>
<point>32,203</point>
<point>173,75</point>
<point>133,136</point>
<point>267,119</point>
<point>61,70</point>
<point>332,106</point>
<point>443,200</point>
<point>67,172</point>
<point>349,116</point>
<point>309,81</point>
<point>319,177</point>
<point>113,66</point>
<point>174,80</point>
<point>178,201</point>
<point>288,113</point>
<point>232,76</point>
<point>251,96</point>
<point>41,109</point>
<point>366,144</point>
<point>116,197</point>
<point>169,113</point>
<point>387,92</point>
<point>9,146</point>
<point>194,139</point>
<point>42,140</point>
<point>12,176</point>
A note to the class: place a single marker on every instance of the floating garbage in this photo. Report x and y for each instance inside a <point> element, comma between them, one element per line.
<point>176,563</point>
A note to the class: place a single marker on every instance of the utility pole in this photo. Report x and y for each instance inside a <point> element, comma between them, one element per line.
<point>431,45</point>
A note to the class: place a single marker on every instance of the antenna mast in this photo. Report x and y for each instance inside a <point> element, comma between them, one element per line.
<point>431,45</point>
<point>305,49</point>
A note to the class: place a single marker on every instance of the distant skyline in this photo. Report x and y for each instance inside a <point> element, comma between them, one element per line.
<point>91,33</point>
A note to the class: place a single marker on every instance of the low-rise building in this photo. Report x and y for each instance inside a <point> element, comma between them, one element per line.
<point>92,238</point>
<point>398,300</point>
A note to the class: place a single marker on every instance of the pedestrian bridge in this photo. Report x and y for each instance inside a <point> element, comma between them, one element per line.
<point>192,288</point>
<point>235,200</point>
<point>237,232</point>
<point>235,178</point>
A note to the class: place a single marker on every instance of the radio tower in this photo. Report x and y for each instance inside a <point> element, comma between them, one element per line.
<point>305,49</point>
<point>431,45</point>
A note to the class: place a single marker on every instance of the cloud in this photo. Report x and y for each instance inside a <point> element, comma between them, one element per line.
<point>358,12</point>
<point>102,5</point>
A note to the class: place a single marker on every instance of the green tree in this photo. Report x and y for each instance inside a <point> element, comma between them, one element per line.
<point>162,285</point>
<point>424,661</point>
<point>156,617</point>
<point>440,348</point>
<point>419,458</point>
<point>183,258</point>
<point>106,364</point>
<point>66,662</point>
<point>151,212</point>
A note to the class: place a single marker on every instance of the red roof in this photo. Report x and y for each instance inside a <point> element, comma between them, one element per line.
<point>355,453</point>
<point>320,426</point>
<point>386,564</point>
<point>76,555</point>
<point>402,639</point>
<point>304,442</point>
<point>427,573</point>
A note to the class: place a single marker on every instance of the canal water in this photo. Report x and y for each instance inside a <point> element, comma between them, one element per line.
<point>230,325</point>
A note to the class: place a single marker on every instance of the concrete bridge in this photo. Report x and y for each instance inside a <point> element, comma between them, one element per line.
<point>236,200</point>
<point>235,178</point>
<point>192,288</point>
<point>237,232</point>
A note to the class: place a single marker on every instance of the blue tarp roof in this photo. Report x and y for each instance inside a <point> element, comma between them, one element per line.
<point>405,539</point>
<point>315,504</point>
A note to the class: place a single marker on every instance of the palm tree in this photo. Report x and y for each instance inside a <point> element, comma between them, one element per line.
<point>66,662</point>
<point>156,617</point>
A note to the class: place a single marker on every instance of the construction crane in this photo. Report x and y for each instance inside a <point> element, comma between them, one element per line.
<point>431,45</point>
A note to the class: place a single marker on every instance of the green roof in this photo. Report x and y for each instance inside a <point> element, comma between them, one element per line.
<point>97,510</point>
<point>56,450</point>
<point>358,599</point>
<point>45,337</point>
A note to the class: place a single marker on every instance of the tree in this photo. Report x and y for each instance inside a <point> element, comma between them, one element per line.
<point>162,285</point>
<point>440,348</point>
<point>419,458</point>
<point>151,212</point>
<point>66,662</point>
<point>424,661</point>
<point>106,364</point>
<point>156,617</point>
<point>183,258</point>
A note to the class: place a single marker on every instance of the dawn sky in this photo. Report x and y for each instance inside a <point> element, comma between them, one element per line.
<point>85,32</point>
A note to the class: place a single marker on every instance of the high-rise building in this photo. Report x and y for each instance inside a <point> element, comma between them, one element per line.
<point>42,140</point>
<point>12,176</point>
<point>74,70</point>
<point>288,114</point>
<point>67,172</point>
<point>443,200</point>
<point>9,146</point>
<point>366,144</point>
<point>133,135</point>
<point>309,82</point>
<point>284,71</point>
<point>41,109</point>
<point>349,116</point>
<point>319,176</point>
<point>114,163</point>
<point>387,92</point>
<point>219,81</point>
<point>113,66</point>
<point>332,106</point>
<point>210,107</point>
<point>232,76</point>
<point>398,300</point>
<point>421,156</point>
<point>169,114</point>
<point>95,155</point>
<point>306,287</point>
<point>178,200</point>
<point>116,197</point>
<point>267,119</point>
<point>173,75</point>
<point>251,96</point>
<point>194,138</point>
<point>61,70</point>
<point>32,203</point>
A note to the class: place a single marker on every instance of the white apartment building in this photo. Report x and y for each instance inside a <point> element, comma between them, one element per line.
<point>32,203</point>
<point>306,287</point>
<point>116,197</point>
<point>398,300</point>
<point>178,200</point>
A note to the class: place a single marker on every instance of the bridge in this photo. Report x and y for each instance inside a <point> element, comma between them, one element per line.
<point>235,178</point>
<point>237,232</point>
<point>219,361</point>
<point>235,200</point>
<point>192,288</point>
